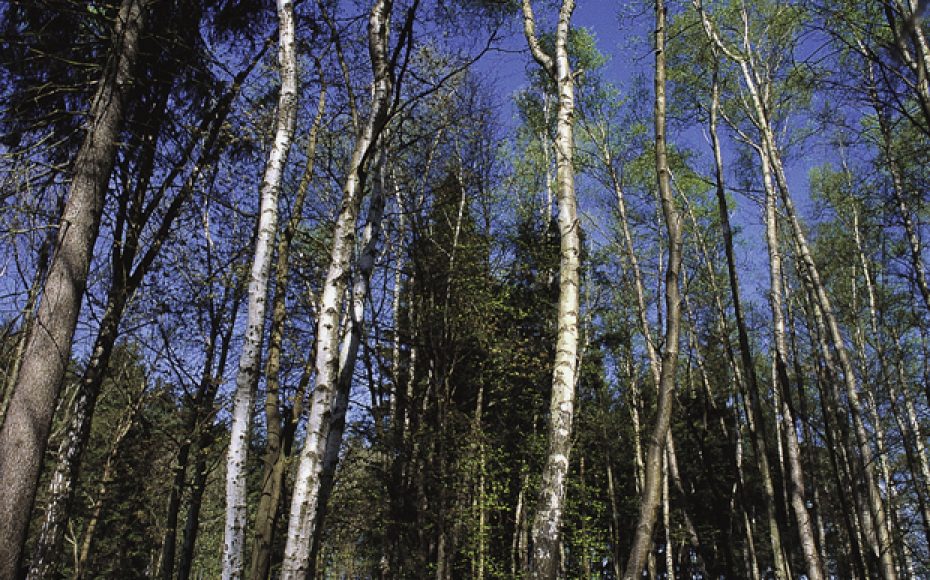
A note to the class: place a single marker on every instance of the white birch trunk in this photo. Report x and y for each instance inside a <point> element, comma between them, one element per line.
<point>546,524</point>
<point>249,362</point>
<point>371,237</point>
<point>305,499</point>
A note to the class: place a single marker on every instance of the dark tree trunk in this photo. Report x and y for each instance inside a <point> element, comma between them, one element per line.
<point>23,437</point>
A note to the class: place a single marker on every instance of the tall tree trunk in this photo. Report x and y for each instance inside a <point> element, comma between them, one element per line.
<point>249,362</point>
<point>546,535</point>
<point>23,437</point>
<point>276,452</point>
<point>305,500</point>
<point>130,220</point>
<point>198,416</point>
<point>371,237</point>
<point>865,461</point>
<point>797,488</point>
<point>128,273</point>
<point>770,163</point>
<point>658,439</point>
<point>757,423</point>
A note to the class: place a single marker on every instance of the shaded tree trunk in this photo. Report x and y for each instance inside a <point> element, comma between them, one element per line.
<point>658,438</point>
<point>48,348</point>
<point>198,416</point>
<point>192,523</point>
<point>757,423</point>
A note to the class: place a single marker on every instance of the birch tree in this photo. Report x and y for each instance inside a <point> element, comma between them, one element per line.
<point>544,561</point>
<point>305,498</point>
<point>250,360</point>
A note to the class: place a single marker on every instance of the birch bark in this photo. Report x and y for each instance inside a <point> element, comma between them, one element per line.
<point>546,536</point>
<point>250,360</point>
<point>371,237</point>
<point>280,436</point>
<point>306,495</point>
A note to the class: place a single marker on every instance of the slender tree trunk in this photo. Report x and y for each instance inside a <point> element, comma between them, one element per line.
<point>29,317</point>
<point>305,500</point>
<point>275,455</point>
<point>658,439</point>
<point>371,237</point>
<point>757,426</point>
<point>192,522</point>
<point>797,488</point>
<point>866,462</point>
<point>546,534</point>
<point>48,348</point>
<point>249,362</point>
<point>107,478</point>
<point>771,165</point>
<point>198,416</point>
<point>900,194</point>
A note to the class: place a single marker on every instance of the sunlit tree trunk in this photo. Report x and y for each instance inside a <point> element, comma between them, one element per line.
<point>371,237</point>
<point>48,348</point>
<point>250,360</point>
<point>546,534</point>
<point>905,22</point>
<point>276,449</point>
<point>771,169</point>
<point>866,459</point>
<point>305,500</point>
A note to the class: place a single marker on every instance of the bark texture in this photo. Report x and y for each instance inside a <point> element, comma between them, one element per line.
<point>306,495</point>
<point>23,437</point>
<point>546,533</point>
<point>280,433</point>
<point>250,360</point>
<point>371,237</point>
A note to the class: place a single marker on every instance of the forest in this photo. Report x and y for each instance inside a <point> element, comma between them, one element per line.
<point>477,289</point>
